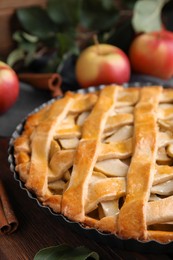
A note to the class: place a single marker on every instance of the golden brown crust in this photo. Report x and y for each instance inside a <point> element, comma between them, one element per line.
<point>163,237</point>
<point>104,159</point>
<point>41,141</point>
<point>74,197</point>
<point>106,224</point>
<point>132,217</point>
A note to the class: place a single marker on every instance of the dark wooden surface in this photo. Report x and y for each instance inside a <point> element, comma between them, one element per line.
<point>38,228</point>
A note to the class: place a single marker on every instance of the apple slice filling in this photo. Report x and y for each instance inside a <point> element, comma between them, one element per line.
<point>165,124</point>
<point>112,167</point>
<point>170,150</point>
<point>122,110</point>
<point>60,162</point>
<point>117,121</point>
<point>163,173</point>
<point>165,138</point>
<point>164,189</point>
<point>81,118</point>
<point>69,143</point>
<point>122,133</point>
<point>165,111</point>
<point>104,190</point>
<point>108,208</point>
<point>121,150</point>
<point>162,157</point>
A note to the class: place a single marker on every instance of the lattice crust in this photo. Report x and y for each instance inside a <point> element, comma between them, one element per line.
<point>104,159</point>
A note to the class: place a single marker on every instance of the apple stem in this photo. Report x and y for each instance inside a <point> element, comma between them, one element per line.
<point>96,42</point>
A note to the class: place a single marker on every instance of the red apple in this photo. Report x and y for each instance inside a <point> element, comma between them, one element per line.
<point>102,64</point>
<point>152,54</point>
<point>9,87</point>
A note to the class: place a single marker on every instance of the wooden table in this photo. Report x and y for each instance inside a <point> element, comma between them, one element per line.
<point>38,228</point>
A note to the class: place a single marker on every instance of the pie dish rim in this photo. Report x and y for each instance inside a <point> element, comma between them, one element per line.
<point>91,232</point>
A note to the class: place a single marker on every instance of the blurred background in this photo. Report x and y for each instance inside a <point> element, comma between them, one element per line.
<point>8,21</point>
<point>43,37</point>
<point>47,35</point>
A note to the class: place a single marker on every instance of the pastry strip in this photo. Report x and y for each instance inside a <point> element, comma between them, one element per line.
<point>160,211</point>
<point>132,218</point>
<point>41,142</point>
<point>102,190</point>
<point>121,150</point>
<point>73,201</point>
<point>160,236</point>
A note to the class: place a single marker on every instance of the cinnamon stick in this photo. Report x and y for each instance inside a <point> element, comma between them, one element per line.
<point>8,220</point>
<point>46,81</point>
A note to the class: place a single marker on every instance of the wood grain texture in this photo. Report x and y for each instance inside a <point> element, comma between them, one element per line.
<point>5,30</point>
<point>20,3</point>
<point>39,229</point>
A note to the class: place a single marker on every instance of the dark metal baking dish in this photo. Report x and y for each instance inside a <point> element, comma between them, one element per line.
<point>108,239</point>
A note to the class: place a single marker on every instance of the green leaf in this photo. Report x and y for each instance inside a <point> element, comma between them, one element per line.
<point>66,44</point>
<point>20,37</point>
<point>97,15</point>
<point>15,56</point>
<point>128,4</point>
<point>107,4</point>
<point>65,252</point>
<point>147,15</point>
<point>64,12</point>
<point>36,21</point>
<point>17,36</point>
<point>27,46</point>
<point>123,36</point>
<point>30,38</point>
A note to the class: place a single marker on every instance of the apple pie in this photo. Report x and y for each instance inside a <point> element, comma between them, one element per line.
<point>104,158</point>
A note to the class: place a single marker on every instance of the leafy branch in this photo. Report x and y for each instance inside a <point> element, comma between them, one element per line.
<point>63,27</point>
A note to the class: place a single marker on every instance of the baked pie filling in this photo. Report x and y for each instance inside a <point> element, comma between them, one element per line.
<point>104,159</point>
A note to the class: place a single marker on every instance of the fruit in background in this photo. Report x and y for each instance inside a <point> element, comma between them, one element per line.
<point>9,87</point>
<point>102,64</point>
<point>152,54</point>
